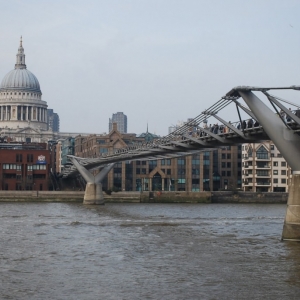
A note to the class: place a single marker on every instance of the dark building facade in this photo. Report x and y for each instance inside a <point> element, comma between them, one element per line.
<point>53,120</point>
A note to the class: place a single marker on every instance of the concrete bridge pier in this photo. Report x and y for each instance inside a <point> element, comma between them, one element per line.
<point>93,190</point>
<point>291,226</point>
<point>93,194</point>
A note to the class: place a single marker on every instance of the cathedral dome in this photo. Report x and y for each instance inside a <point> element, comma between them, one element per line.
<point>20,78</point>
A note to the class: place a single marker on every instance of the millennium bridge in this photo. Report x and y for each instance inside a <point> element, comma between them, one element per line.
<point>273,122</point>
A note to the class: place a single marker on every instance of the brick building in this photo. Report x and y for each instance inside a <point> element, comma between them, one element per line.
<point>24,166</point>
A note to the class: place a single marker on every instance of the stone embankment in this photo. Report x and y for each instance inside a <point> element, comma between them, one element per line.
<point>146,197</point>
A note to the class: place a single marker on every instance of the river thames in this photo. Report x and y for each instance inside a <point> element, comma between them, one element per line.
<point>146,251</point>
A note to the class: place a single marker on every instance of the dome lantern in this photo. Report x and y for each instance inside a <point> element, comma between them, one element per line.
<point>20,63</point>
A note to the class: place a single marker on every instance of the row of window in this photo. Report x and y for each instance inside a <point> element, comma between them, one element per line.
<point>29,177</point>
<point>258,164</point>
<point>19,157</point>
<point>226,165</point>
<point>275,172</point>
<point>275,180</point>
<point>271,147</point>
<point>31,94</point>
<point>19,167</point>
<point>265,173</point>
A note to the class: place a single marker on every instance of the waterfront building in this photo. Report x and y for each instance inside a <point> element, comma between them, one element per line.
<point>264,169</point>
<point>25,166</point>
<point>121,120</point>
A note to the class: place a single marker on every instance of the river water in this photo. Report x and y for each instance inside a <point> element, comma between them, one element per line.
<point>146,251</point>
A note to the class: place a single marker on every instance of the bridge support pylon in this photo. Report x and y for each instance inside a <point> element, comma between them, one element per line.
<point>93,190</point>
<point>288,144</point>
<point>93,194</point>
<point>291,226</point>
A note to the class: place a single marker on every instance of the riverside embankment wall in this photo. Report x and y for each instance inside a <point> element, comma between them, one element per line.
<point>147,197</point>
<point>248,197</point>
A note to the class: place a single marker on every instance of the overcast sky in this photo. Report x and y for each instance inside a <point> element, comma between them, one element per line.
<point>158,61</point>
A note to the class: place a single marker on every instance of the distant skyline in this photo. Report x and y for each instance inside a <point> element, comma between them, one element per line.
<point>158,61</point>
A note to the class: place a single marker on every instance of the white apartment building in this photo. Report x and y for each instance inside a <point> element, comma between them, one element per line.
<point>263,168</point>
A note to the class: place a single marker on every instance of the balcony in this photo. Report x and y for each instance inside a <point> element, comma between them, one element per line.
<point>263,157</point>
<point>262,167</point>
<point>263,176</point>
<point>248,157</point>
<point>263,183</point>
<point>248,183</point>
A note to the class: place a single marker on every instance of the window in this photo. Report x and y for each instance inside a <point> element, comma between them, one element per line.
<point>275,163</point>
<point>168,171</point>
<point>206,162</point>
<point>223,173</point>
<point>195,161</point>
<point>283,164</point>
<point>228,156</point>
<point>275,180</point>
<point>223,164</point>
<point>162,162</point>
<point>275,172</point>
<point>181,171</point>
<point>38,167</point>
<point>138,171</point>
<point>262,173</point>
<point>228,173</point>
<point>229,165</point>
<point>29,157</point>
<point>18,157</point>
<point>272,147</point>
<point>283,172</point>
<point>283,180</point>
<point>195,171</point>
<point>262,153</point>
<point>180,161</point>
<point>223,155</point>
<point>103,150</point>
<point>9,167</point>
